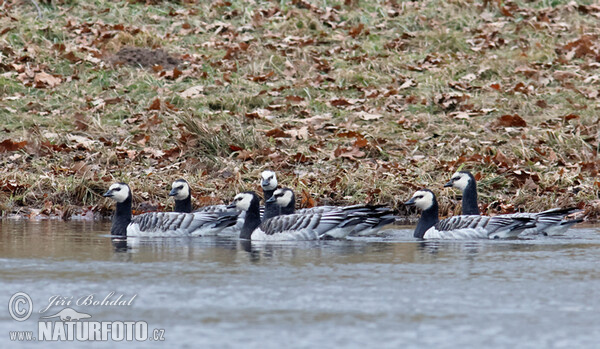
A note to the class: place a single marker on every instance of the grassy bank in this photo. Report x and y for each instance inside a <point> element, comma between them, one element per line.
<point>349,101</point>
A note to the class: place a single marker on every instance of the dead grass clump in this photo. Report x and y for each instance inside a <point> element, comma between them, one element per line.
<point>136,56</point>
<point>204,141</point>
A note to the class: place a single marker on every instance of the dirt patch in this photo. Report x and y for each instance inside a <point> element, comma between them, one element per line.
<point>136,56</point>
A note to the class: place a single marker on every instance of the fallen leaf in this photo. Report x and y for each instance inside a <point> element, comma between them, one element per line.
<point>368,116</point>
<point>277,133</point>
<point>349,153</point>
<point>9,145</point>
<point>155,105</point>
<point>43,79</point>
<point>193,92</point>
<point>511,121</point>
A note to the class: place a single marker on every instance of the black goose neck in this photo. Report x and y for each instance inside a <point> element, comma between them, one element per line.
<point>469,200</point>
<point>252,219</point>
<point>271,208</point>
<point>121,218</point>
<point>184,205</point>
<point>429,218</point>
<point>268,193</point>
<point>290,208</point>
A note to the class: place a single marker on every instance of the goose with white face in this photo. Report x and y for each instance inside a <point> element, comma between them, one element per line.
<point>241,201</point>
<point>268,180</point>
<point>459,180</point>
<point>283,197</point>
<point>180,190</point>
<point>118,192</point>
<point>422,199</point>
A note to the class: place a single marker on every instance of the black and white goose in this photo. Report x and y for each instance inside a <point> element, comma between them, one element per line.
<point>464,226</point>
<point>335,224</point>
<point>182,194</point>
<point>163,223</point>
<point>269,185</point>
<point>285,200</point>
<point>549,222</point>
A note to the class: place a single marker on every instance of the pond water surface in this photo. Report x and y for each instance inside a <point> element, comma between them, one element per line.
<point>388,292</point>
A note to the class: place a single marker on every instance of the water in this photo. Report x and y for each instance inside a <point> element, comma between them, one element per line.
<point>387,292</point>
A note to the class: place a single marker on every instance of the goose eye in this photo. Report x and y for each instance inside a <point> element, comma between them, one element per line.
<point>180,188</point>
<point>116,189</point>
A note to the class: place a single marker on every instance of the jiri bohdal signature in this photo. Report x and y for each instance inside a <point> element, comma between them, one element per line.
<point>91,300</point>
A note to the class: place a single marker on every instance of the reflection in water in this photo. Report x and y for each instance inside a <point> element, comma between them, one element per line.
<point>119,243</point>
<point>222,291</point>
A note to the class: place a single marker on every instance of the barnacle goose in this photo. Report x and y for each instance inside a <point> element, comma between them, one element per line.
<point>163,223</point>
<point>463,227</point>
<point>313,226</point>
<point>549,222</point>
<point>181,193</point>
<point>269,184</point>
<point>285,200</point>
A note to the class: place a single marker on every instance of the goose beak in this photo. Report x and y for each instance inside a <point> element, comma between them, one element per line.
<point>232,205</point>
<point>410,202</point>
<point>449,184</point>
<point>107,194</point>
<point>265,183</point>
<point>173,192</point>
<point>271,200</point>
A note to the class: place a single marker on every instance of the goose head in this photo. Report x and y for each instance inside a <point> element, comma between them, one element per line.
<point>268,180</point>
<point>243,201</point>
<point>180,189</point>
<point>423,199</point>
<point>282,197</point>
<point>460,180</point>
<point>118,192</point>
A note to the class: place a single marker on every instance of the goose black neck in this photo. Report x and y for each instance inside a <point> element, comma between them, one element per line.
<point>252,220</point>
<point>469,200</point>
<point>271,208</point>
<point>121,218</point>
<point>429,218</point>
<point>290,208</point>
<point>184,205</point>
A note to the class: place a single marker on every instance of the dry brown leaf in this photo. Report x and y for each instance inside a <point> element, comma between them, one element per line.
<point>10,145</point>
<point>155,104</point>
<point>43,79</point>
<point>511,121</point>
<point>193,92</point>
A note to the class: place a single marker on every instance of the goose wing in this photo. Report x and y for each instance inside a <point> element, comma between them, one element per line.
<point>305,226</point>
<point>180,224</point>
<point>550,222</point>
<point>479,227</point>
<point>212,208</point>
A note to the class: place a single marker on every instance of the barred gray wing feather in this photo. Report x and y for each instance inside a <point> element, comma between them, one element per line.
<point>550,222</point>
<point>304,226</point>
<point>213,208</point>
<point>478,227</point>
<point>178,224</point>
